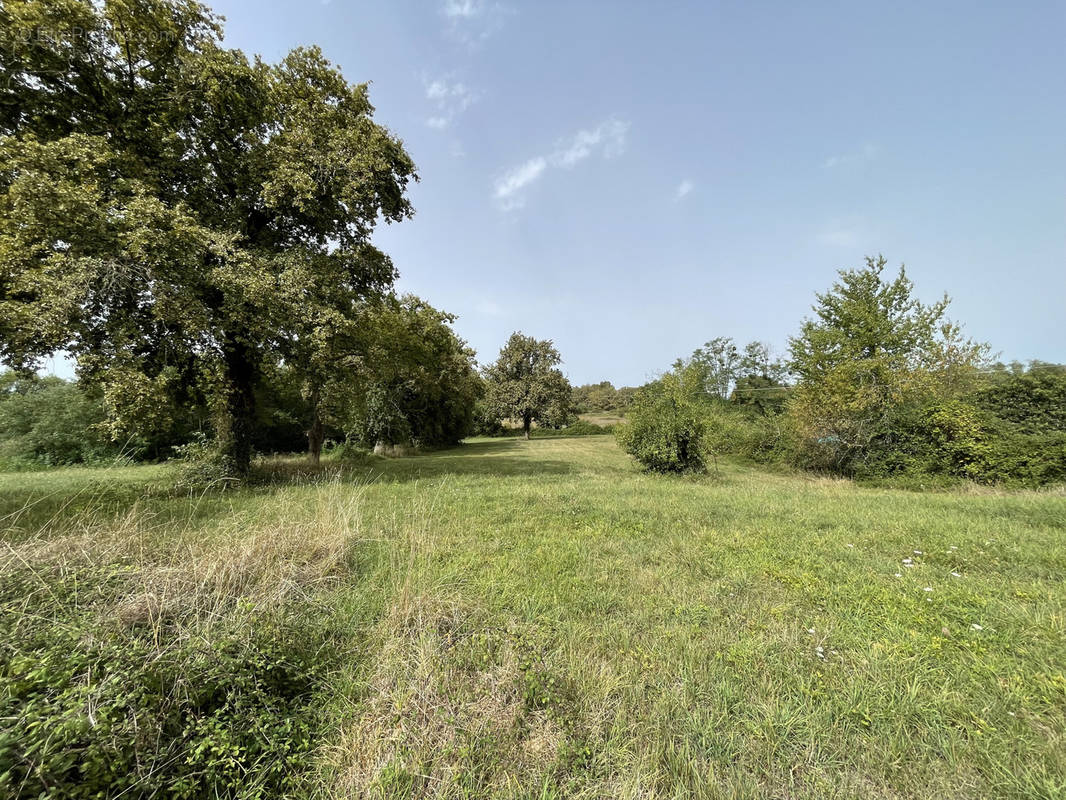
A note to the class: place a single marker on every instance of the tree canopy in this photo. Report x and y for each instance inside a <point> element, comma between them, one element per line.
<point>524,384</point>
<point>871,348</point>
<point>174,213</point>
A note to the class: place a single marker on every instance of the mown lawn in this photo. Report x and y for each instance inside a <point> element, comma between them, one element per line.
<point>540,619</point>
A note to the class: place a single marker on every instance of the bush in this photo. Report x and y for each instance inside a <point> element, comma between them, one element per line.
<point>749,434</point>
<point>666,425</point>
<point>96,708</point>
<point>955,439</point>
<point>1034,401</point>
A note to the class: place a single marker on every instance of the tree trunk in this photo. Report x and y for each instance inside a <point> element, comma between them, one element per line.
<point>235,430</point>
<point>526,421</point>
<point>316,433</point>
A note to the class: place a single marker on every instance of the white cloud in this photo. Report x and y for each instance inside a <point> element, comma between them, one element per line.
<point>684,188</point>
<point>450,98</point>
<point>867,153</point>
<point>517,179</point>
<point>473,21</point>
<point>609,136</point>
<point>463,9</point>
<point>608,139</point>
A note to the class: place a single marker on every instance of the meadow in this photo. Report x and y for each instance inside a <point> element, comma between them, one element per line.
<point>529,619</point>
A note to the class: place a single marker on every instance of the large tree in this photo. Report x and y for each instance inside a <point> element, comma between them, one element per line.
<point>418,382</point>
<point>525,384</point>
<point>175,214</point>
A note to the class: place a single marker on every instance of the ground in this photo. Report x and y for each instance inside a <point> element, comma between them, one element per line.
<point>541,619</point>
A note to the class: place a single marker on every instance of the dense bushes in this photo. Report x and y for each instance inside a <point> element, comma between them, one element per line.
<point>126,705</point>
<point>666,424</point>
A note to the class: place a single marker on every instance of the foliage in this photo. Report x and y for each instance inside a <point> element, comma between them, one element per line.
<point>170,210</point>
<point>602,397</point>
<point>667,422</point>
<point>417,384</point>
<point>525,385</point>
<point>50,422</point>
<point>954,439</point>
<point>872,349</point>
<point>1034,400</point>
<point>93,709</point>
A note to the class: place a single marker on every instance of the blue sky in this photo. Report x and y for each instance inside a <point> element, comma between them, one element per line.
<point>633,179</point>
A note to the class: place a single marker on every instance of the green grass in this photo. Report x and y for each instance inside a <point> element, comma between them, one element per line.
<point>540,619</point>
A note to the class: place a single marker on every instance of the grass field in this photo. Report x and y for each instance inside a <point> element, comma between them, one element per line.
<point>539,619</point>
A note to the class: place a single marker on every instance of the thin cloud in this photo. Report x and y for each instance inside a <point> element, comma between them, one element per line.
<point>463,9</point>
<point>684,188</point>
<point>473,21</point>
<point>608,139</point>
<point>508,187</point>
<point>489,308</point>
<point>867,153</point>
<point>451,99</point>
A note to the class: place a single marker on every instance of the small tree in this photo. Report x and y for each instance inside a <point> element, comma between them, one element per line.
<point>524,384</point>
<point>871,349</point>
<point>666,423</point>
<point>717,363</point>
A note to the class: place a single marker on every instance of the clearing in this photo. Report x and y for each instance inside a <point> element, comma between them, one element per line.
<point>541,619</point>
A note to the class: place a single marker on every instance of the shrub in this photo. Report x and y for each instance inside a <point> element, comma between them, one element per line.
<point>50,422</point>
<point>666,425</point>
<point>1035,400</point>
<point>100,707</point>
<point>749,434</point>
<point>954,439</point>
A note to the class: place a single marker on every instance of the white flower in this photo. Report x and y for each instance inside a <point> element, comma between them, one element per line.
<point>955,575</point>
<point>899,574</point>
<point>928,589</point>
<point>977,627</point>
<point>917,552</point>
<point>849,545</point>
<point>810,631</point>
<point>906,561</point>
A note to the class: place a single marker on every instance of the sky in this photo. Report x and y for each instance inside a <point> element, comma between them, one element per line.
<point>632,179</point>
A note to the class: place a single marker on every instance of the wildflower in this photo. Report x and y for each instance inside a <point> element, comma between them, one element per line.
<point>955,575</point>
<point>928,589</point>
<point>810,631</point>
<point>849,545</point>
<point>906,561</point>
<point>917,552</point>
<point>899,574</point>
<point>977,627</point>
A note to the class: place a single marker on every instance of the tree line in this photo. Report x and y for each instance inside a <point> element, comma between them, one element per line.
<point>194,227</point>
<point>876,385</point>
